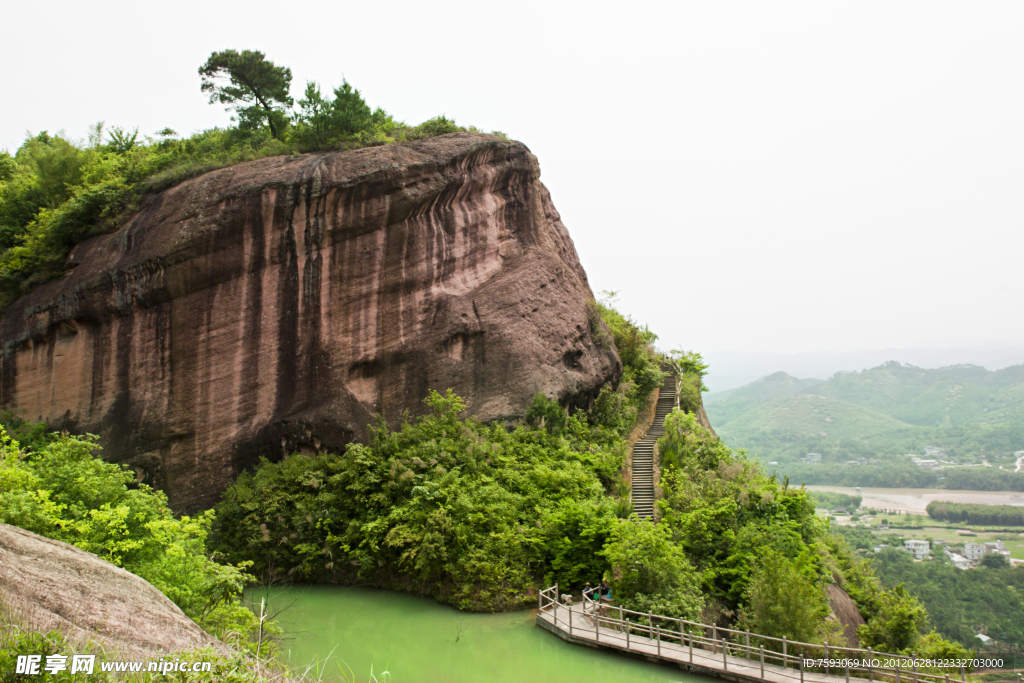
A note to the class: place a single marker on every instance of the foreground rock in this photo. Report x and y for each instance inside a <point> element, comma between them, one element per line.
<point>52,585</point>
<point>277,305</point>
<point>846,612</point>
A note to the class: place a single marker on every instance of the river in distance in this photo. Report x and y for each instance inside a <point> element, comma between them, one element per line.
<point>417,640</point>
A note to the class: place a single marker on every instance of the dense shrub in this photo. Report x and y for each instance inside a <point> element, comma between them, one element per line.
<point>831,500</point>
<point>476,515</point>
<point>60,490</point>
<point>726,514</point>
<point>972,513</point>
<point>783,600</point>
<point>651,573</point>
<point>641,371</point>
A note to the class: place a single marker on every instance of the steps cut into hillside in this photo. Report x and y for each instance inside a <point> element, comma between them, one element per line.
<point>643,492</point>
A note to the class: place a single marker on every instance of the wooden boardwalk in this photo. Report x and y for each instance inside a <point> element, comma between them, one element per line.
<point>693,659</point>
<point>723,653</point>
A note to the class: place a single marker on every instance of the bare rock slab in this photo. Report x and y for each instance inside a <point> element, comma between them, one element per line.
<point>53,585</point>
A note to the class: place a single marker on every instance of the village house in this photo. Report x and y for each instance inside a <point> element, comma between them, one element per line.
<point>974,551</point>
<point>958,560</point>
<point>919,549</point>
<point>998,548</point>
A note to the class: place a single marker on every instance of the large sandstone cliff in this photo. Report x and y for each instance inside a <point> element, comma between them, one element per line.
<point>277,305</point>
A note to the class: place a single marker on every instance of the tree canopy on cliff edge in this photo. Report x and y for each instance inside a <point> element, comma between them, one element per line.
<point>254,81</point>
<point>56,191</point>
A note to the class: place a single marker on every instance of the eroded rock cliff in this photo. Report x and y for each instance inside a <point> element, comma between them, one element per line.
<point>277,305</point>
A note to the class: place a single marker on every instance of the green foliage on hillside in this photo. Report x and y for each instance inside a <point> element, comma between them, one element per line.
<point>789,427</point>
<point>959,601</point>
<point>878,415</point>
<point>782,599</point>
<point>472,514</point>
<point>969,513</point>
<point>830,500</point>
<point>724,512</point>
<point>652,573</point>
<point>641,371</point>
<point>897,621</point>
<point>56,192</point>
<point>61,490</point>
<point>763,556</point>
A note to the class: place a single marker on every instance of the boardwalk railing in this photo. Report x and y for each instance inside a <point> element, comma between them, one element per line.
<point>677,639</point>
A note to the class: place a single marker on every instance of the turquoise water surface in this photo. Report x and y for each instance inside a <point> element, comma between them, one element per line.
<point>420,641</point>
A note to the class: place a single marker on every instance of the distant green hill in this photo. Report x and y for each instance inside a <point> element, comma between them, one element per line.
<point>732,403</point>
<point>791,426</point>
<point>765,389</point>
<point>973,415</point>
<point>960,394</point>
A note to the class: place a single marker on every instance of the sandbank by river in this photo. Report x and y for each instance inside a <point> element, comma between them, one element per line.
<point>915,501</point>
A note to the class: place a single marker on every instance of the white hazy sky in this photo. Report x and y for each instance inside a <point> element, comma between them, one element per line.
<point>763,176</point>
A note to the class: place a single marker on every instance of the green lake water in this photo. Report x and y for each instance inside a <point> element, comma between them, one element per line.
<point>420,641</point>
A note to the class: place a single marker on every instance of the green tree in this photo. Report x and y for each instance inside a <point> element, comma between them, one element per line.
<point>61,490</point>
<point>783,601</point>
<point>897,622</point>
<point>7,166</point>
<point>325,122</point>
<point>650,572</point>
<point>994,561</point>
<point>256,87</point>
<point>314,115</point>
<point>545,413</point>
<point>351,115</point>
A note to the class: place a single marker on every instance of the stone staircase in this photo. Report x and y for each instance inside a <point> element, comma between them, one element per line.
<point>643,452</point>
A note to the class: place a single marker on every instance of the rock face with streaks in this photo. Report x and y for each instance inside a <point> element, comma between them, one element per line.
<point>275,306</point>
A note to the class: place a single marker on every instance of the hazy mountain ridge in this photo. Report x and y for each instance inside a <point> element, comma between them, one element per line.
<point>880,412</point>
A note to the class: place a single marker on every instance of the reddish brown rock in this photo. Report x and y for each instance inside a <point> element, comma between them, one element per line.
<point>846,612</point>
<point>276,305</point>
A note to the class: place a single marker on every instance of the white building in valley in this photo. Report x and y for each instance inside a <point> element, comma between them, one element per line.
<point>974,551</point>
<point>958,560</point>
<point>919,549</point>
<point>998,548</point>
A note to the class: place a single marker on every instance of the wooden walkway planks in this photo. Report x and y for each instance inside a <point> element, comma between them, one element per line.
<point>696,659</point>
